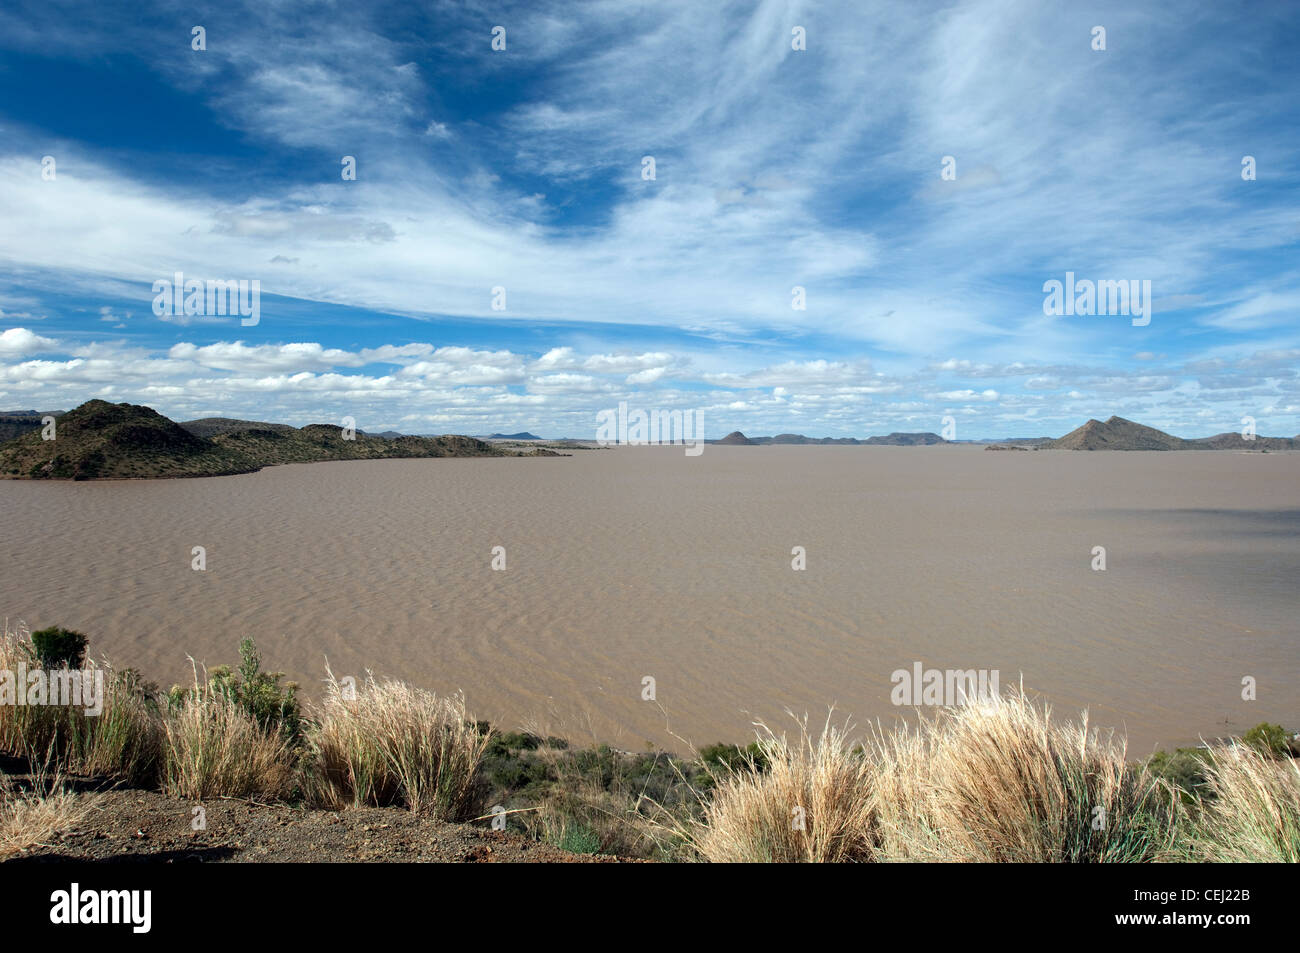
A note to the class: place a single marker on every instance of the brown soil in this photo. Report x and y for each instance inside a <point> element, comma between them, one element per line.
<point>146,827</point>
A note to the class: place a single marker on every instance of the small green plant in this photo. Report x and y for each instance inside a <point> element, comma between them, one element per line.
<point>57,647</point>
<point>578,838</point>
<point>259,693</point>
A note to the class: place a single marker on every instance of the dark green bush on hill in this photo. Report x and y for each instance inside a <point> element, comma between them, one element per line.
<point>57,647</point>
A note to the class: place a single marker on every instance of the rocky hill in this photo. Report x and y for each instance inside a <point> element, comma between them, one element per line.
<point>735,439</point>
<point>1118,434</point>
<point>906,440</point>
<point>99,440</point>
<point>211,426</point>
<point>1235,441</point>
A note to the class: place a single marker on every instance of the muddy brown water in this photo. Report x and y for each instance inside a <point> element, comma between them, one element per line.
<point>629,563</point>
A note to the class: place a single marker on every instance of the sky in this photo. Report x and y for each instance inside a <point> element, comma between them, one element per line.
<point>503,260</point>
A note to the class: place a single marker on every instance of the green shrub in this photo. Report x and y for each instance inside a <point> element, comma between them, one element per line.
<point>259,693</point>
<point>509,741</point>
<point>57,647</point>
<point>598,765</point>
<point>1185,768</point>
<point>732,757</point>
<point>1269,739</point>
<point>516,773</point>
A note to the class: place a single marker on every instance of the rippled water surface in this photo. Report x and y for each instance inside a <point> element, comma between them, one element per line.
<point>641,562</point>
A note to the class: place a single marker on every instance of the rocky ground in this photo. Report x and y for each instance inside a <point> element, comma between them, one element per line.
<point>136,826</point>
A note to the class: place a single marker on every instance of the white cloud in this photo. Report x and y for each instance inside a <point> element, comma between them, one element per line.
<point>20,342</point>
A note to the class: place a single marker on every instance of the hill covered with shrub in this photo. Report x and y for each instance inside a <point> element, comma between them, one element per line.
<point>101,440</point>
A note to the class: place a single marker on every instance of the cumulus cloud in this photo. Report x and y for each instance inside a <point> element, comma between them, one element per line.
<point>20,342</point>
<point>773,172</point>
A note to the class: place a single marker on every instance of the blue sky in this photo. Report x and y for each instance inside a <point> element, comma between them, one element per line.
<point>774,168</point>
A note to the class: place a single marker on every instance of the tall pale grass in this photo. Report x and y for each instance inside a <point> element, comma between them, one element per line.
<point>212,746</point>
<point>122,741</point>
<point>1252,811</point>
<point>908,828</point>
<point>996,781</point>
<point>1009,784</point>
<point>813,803</point>
<point>394,744</point>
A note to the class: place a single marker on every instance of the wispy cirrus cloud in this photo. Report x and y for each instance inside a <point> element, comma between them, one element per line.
<point>775,168</point>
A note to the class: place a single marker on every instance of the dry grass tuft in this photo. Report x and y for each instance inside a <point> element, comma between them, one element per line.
<point>1010,785</point>
<point>907,825</point>
<point>995,781</point>
<point>212,746</point>
<point>1251,812</point>
<point>394,744</point>
<point>813,803</point>
<point>29,816</point>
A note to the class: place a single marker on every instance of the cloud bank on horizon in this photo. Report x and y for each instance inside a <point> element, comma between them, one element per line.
<point>791,217</point>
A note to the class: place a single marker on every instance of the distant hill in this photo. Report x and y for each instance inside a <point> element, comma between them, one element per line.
<point>1117,434</point>
<point>319,442</point>
<point>1120,434</point>
<point>1235,441</point>
<point>735,439</point>
<point>1005,443</point>
<point>211,426</point>
<point>99,440</point>
<point>799,439</point>
<point>513,436</point>
<point>906,440</point>
<point>15,423</point>
<point>1113,434</point>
